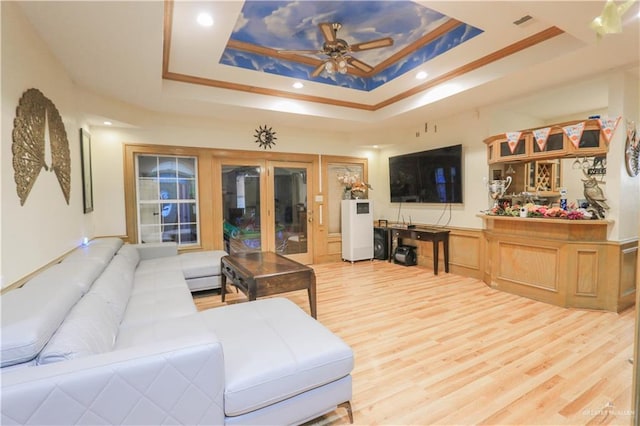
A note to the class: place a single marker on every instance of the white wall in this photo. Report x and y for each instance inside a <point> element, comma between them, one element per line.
<point>468,129</point>
<point>45,227</point>
<point>622,190</point>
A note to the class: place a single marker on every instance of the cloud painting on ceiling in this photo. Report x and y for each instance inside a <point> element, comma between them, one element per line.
<point>293,25</point>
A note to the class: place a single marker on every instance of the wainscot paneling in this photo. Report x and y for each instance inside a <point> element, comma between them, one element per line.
<point>566,263</point>
<point>465,252</point>
<point>628,274</point>
<point>587,271</point>
<point>588,286</point>
<point>527,264</point>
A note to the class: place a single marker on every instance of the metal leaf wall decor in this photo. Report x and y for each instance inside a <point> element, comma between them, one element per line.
<point>35,115</point>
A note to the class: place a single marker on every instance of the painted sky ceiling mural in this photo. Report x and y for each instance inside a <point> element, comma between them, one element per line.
<point>293,25</point>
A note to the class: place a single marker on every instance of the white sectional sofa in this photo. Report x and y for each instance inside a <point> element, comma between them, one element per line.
<point>111,335</point>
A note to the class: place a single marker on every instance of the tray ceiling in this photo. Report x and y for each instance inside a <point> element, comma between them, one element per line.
<point>153,54</point>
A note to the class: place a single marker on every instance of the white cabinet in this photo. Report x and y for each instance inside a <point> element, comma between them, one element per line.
<point>357,229</point>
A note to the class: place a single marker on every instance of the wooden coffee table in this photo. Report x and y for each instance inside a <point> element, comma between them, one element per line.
<point>267,273</point>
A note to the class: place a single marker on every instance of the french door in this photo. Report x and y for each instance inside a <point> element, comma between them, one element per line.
<point>265,207</point>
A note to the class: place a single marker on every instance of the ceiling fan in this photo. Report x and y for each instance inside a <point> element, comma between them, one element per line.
<point>339,52</point>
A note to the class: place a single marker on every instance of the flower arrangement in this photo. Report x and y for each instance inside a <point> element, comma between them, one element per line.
<point>533,210</point>
<point>352,182</point>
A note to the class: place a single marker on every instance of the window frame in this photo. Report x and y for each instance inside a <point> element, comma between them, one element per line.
<point>158,181</point>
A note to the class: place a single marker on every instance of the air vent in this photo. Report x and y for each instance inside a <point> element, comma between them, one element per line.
<point>522,20</point>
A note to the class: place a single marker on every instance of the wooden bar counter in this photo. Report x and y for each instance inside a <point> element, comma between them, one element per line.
<point>564,262</point>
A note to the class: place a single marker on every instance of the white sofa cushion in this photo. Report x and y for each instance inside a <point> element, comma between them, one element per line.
<point>159,265</point>
<point>92,324</point>
<point>113,242</point>
<point>153,306</point>
<point>114,285</point>
<point>82,254</point>
<point>296,353</point>
<point>30,316</point>
<point>152,281</point>
<point>81,274</point>
<point>90,328</point>
<point>201,263</point>
<point>130,253</point>
<point>204,283</point>
<point>157,250</point>
<point>169,329</point>
<point>101,250</point>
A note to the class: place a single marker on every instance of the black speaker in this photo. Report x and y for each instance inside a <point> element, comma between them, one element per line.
<point>381,243</point>
<point>405,255</point>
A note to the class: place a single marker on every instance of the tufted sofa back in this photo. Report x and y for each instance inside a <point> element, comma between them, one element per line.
<point>32,314</point>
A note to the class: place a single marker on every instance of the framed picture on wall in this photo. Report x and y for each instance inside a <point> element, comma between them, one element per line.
<point>87,183</point>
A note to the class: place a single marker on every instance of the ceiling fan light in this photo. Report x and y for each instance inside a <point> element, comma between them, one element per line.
<point>610,20</point>
<point>342,64</point>
<point>330,67</point>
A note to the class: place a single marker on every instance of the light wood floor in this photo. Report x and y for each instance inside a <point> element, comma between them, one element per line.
<point>449,350</point>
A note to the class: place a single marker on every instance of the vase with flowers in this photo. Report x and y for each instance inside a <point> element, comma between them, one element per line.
<point>354,186</point>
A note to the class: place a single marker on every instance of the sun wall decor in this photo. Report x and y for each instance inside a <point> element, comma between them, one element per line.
<point>265,137</point>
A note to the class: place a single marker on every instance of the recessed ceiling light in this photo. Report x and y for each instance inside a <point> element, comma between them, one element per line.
<point>421,75</point>
<point>107,123</point>
<point>205,19</point>
<point>298,85</point>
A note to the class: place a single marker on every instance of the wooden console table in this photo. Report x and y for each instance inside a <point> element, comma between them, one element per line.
<point>434,235</point>
<point>267,273</point>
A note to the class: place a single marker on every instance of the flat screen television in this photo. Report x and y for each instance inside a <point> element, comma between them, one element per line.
<point>433,176</point>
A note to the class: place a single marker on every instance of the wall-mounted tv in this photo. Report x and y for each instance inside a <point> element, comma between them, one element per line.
<point>433,176</point>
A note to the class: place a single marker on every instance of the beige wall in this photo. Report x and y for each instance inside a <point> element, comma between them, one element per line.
<point>623,191</point>
<point>45,227</point>
<point>185,131</point>
<point>467,129</point>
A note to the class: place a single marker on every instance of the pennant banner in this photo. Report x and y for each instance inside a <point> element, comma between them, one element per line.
<point>574,133</point>
<point>512,140</point>
<point>541,136</point>
<point>608,126</point>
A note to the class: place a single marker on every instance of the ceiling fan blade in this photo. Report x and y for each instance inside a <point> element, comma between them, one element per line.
<point>318,70</point>
<point>359,64</point>
<point>300,52</point>
<point>327,30</point>
<point>373,44</point>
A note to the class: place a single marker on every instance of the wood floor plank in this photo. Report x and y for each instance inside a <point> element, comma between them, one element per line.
<point>450,350</point>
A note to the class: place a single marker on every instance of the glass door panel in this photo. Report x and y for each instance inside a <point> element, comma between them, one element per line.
<point>291,216</point>
<point>241,208</point>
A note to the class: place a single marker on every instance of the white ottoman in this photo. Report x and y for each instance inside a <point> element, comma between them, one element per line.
<point>202,269</point>
<point>280,365</point>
